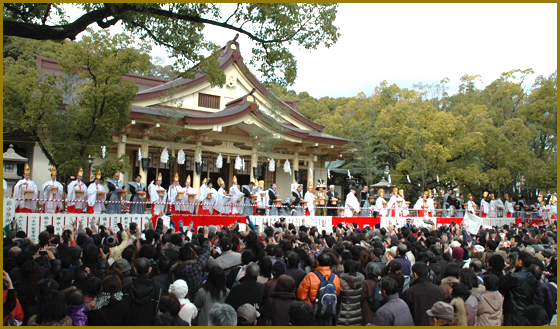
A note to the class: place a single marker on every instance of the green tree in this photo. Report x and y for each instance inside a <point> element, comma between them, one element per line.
<point>95,97</point>
<point>179,28</point>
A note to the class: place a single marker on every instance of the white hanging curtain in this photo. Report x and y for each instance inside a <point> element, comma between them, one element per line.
<point>219,161</point>
<point>287,167</point>
<point>238,165</point>
<point>164,156</point>
<point>272,165</point>
<point>181,157</point>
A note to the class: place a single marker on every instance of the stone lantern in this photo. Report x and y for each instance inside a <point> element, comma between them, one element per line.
<point>10,160</point>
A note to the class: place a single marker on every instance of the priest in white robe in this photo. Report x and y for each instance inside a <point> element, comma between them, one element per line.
<point>159,202</point>
<point>352,205</point>
<point>77,195</point>
<point>26,184</point>
<point>95,207</point>
<point>236,198</point>
<point>310,197</point>
<point>175,194</point>
<point>52,190</point>
<point>222,199</point>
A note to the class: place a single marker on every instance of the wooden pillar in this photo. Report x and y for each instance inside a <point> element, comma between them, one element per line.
<point>196,176</point>
<point>145,154</point>
<point>121,150</point>
<point>295,167</point>
<point>254,160</point>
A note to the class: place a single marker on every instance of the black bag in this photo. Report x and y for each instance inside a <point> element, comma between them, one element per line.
<point>376,298</point>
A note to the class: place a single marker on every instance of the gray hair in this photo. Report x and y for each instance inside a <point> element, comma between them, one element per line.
<point>252,270</point>
<point>373,269</point>
<point>222,315</point>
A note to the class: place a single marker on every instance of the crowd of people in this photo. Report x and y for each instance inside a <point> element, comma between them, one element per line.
<point>281,275</point>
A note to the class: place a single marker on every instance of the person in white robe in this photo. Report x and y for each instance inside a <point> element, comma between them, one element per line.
<point>392,204</point>
<point>188,206</point>
<point>351,205</point>
<point>158,202</point>
<point>95,207</point>
<point>210,202</point>
<point>173,192</point>
<point>77,195</point>
<point>222,199</point>
<point>419,206</point>
<point>52,190</point>
<point>310,197</point>
<point>495,205</point>
<point>471,206</point>
<point>26,184</point>
<point>484,206</point>
<point>380,203</point>
<point>236,198</point>
<point>508,206</point>
<point>431,205</point>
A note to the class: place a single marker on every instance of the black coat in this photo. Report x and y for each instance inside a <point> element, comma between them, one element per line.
<point>420,297</point>
<point>518,290</point>
<point>250,291</point>
<point>114,314</point>
<point>142,295</point>
<point>276,308</point>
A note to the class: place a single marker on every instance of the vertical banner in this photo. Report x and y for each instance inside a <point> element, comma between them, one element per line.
<point>9,210</point>
<point>58,222</point>
<point>33,226</point>
<point>127,219</point>
<point>22,222</point>
<point>103,220</point>
<point>46,220</point>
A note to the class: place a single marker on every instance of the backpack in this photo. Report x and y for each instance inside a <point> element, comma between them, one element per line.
<point>325,300</point>
<point>376,298</point>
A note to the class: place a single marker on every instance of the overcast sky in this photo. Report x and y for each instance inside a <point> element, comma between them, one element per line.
<point>410,43</point>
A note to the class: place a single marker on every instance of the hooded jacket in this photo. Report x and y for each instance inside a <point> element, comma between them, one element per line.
<point>350,299</point>
<point>490,309</point>
<point>277,307</point>
<point>143,295</point>
<point>307,290</point>
<point>78,314</point>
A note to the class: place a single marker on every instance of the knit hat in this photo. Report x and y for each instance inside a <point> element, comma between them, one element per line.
<point>278,268</point>
<point>122,265</point>
<point>179,288</point>
<point>457,253</point>
<point>441,310</point>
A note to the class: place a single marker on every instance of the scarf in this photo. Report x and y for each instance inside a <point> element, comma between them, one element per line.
<point>105,298</point>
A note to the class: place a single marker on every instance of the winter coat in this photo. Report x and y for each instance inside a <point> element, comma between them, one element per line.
<point>276,308</point>
<point>114,314</point>
<point>368,287</point>
<point>518,290</point>
<point>394,312</point>
<point>420,297</point>
<point>12,305</point>
<point>204,302</point>
<point>350,300</point>
<point>446,284</point>
<point>307,290</point>
<point>78,314</point>
<point>490,309</point>
<point>546,297</point>
<point>64,322</point>
<point>191,270</point>
<point>143,296</point>
<point>249,291</point>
